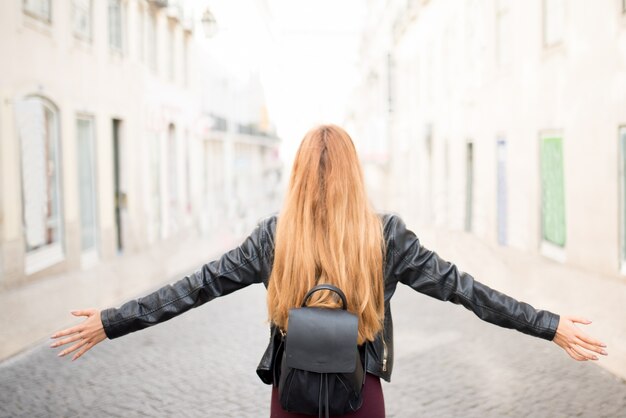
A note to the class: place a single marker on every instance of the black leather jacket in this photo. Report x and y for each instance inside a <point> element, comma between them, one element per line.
<point>406,261</point>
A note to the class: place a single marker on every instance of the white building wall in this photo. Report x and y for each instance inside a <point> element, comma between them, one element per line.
<point>479,70</point>
<point>88,78</point>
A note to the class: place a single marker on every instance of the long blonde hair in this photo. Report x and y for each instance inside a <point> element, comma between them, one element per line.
<point>328,232</point>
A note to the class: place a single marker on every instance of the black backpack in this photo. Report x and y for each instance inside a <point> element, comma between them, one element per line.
<point>322,369</point>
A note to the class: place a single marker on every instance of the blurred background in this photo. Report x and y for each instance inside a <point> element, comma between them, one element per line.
<point>140,138</point>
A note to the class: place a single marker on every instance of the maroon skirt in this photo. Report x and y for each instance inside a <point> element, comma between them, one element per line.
<point>373,402</point>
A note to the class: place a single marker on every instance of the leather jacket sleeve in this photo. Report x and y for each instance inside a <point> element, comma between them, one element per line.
<point>234,270</point>
<point>426,272</point>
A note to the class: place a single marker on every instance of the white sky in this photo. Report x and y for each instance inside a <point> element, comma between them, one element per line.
<point>305,51</point>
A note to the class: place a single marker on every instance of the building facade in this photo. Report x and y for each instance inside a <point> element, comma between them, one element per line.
<point>103,135</point>
<point>506,119</point>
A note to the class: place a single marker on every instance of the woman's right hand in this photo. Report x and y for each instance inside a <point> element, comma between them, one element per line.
<point>575,342</point>
<point>85,335</point>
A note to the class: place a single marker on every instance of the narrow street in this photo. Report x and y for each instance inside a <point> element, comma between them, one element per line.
<point>142,139</point>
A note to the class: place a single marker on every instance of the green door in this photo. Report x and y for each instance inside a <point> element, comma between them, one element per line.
<point>552,191</point>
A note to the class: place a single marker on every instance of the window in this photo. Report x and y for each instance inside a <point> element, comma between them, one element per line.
<point>171,53</point>
<point>115,25</point>
<point>504,33</point>
<point>38,130</point>
<point>622,188</point>
<point>186,60</point>
<point>155,226</point>
<point>390,83</point>
<point>475,45</point>
<point>141,34</point>
<point>152,42</point>
<point>552,190</point>
<point>187,172</point>
<point>38,8</point>
<point>81,18</point>
<point>553,22</point>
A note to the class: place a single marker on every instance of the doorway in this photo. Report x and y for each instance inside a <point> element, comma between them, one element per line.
<point>622,186</point>
<point>118,190</point>
<point>172,179</point>
<point>502,191</point>
<point>469,185</point>
<point>87,189</point>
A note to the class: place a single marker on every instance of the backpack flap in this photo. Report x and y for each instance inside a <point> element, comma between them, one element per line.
<point>322,340</point>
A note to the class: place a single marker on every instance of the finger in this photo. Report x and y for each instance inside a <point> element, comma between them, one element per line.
<point>580,319</point>
<point>67,331</point>
<point>73,348</point>
<point>82,350</point>
<point>571,354</point>
<point>590,340</point>
<point>83,312</point>
<point>583,353</point>
<point>591,347</point>
<point>574,355</point>
<point>66,340</point>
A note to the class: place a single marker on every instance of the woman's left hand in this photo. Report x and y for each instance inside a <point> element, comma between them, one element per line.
<point>576,343</point>
<point>86,334</point>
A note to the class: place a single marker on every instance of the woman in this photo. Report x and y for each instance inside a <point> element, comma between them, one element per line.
<point>328,232</point>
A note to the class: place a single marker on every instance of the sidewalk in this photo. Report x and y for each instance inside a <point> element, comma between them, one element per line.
<point>545,284</point>
<point>31,313</point>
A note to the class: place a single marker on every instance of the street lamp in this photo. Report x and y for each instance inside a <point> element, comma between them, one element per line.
<point>209,24</point>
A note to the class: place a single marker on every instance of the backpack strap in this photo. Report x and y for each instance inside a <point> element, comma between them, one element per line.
<point>323,387</point>
<point>326,287</point>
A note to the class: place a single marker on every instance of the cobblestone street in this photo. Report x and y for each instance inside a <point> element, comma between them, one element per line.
<point>448,364</point>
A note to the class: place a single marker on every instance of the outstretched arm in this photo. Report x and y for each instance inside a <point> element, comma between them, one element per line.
<point>426,272</point>
<point>234,270</point>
